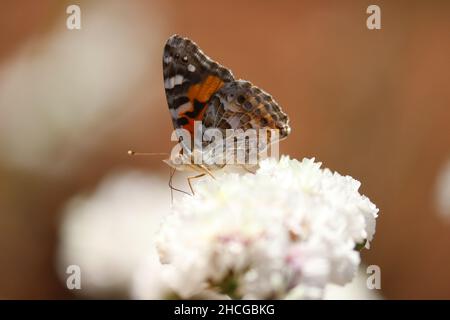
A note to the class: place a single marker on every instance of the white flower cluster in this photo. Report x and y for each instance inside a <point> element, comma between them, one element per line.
<point>285,232</point>
<point>108,233</point>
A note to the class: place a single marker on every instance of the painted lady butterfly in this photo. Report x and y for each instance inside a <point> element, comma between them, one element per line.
<point>200,89</point>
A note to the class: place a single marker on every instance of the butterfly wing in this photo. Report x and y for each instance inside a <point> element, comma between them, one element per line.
<point>241,105</point>
<point>190,79</point>
<point>200,89</point>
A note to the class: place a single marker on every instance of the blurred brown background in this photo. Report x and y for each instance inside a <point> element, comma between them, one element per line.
<point>371,104</point>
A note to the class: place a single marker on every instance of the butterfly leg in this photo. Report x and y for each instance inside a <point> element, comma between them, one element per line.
<point>208,172</point>
<point>247,169</point>
<point>172,173</point>
<point>194,177</point>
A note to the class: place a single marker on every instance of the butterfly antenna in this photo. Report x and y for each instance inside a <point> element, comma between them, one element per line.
<point>134,153</point>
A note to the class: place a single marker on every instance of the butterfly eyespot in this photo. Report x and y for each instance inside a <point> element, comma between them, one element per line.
<point>177,55</point>
<point>241,99</point>
<point>248,105</point>
<point>185,58</point>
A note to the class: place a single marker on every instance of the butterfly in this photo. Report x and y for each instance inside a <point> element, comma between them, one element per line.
<point>198,89</point>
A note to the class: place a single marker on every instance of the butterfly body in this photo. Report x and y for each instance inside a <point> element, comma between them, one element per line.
<point>198,89</point>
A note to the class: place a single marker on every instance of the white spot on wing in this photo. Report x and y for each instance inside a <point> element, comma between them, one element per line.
<point>168,59</point>
<point>166,84</point>
<point>184,107</point>
<point>178,79</point>
<point>176,113</point>
<point>169,83</point>
<point>191,68</point>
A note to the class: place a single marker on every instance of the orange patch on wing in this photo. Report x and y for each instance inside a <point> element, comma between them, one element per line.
<point>201,92</point>
<point>204,90</point>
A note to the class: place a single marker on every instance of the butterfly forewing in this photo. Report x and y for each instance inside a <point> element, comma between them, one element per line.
<point>190,79</point>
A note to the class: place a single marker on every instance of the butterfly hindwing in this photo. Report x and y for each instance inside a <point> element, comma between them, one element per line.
<point>241,105</point>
